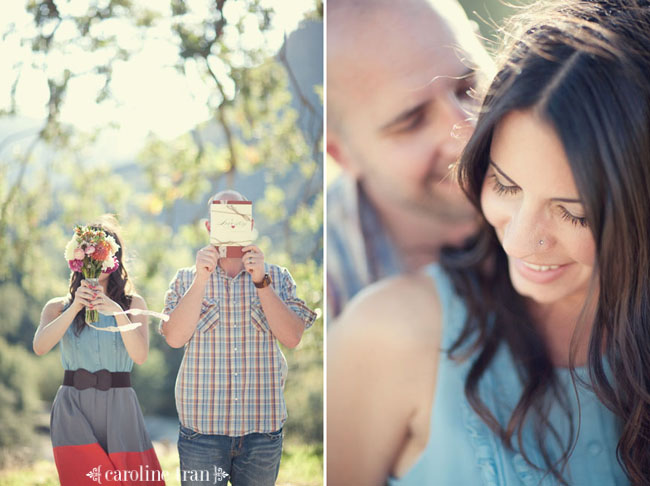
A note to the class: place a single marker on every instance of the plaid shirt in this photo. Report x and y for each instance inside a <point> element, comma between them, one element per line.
<point>232,376</point>
<point>359,252</point>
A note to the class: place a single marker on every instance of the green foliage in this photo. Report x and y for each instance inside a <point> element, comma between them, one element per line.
<point>18,394</point>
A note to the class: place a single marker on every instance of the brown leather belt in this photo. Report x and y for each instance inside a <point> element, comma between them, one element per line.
<point>102,379</point>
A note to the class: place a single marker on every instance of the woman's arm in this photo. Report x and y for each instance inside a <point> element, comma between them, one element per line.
<point>382,357</point>
<point>55,321</point>
<point>135,341</point>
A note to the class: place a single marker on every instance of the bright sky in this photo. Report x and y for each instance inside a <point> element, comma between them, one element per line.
<point>150,95</point>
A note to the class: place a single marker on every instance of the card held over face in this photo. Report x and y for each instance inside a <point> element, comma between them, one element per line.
<point>231,227</point>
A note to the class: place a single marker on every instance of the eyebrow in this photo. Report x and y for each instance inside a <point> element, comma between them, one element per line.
<point>410,112</point>
<point>559,199</point>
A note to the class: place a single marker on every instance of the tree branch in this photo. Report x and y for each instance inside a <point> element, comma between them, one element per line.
<point>224,123</point>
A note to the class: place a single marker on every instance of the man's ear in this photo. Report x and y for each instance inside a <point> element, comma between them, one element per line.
<point>252,223</point>
<point>338,150</point>
<point>207,224</point>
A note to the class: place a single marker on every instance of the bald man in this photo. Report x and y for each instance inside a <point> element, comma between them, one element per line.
<point>230,314</point>
<point>399,82</point>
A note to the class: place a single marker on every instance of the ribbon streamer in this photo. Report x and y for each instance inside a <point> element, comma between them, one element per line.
<point>128,327</point>
<point>133,325</point>
<point>232,210</point>
<point>142,312</point>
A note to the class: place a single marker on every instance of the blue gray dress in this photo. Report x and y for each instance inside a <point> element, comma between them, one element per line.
<point>462,450</point>
<point>100,432</point>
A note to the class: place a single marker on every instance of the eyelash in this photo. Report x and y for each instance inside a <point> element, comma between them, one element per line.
<point>501,190</point>
<point>414,122</point>
<point>574,220</point>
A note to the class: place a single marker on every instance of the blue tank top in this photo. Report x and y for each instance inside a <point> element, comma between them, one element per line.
<point>462,450</point>
<point>95,350</point>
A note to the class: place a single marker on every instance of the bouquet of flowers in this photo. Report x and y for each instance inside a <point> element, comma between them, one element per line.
<point>92,252</point>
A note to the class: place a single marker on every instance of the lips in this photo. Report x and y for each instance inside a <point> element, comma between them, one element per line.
<point>540,274</point>
<point>540,268</point>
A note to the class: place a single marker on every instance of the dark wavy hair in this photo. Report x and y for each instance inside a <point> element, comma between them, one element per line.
<point>582,67</point>
<point>119,288</point>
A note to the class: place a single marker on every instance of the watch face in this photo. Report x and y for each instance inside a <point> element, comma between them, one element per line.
<point>266,281</point>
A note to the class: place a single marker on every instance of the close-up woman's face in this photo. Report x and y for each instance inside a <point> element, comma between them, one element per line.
<point>530,198</point>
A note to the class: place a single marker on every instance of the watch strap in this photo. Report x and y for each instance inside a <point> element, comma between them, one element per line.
<point>266,281</point>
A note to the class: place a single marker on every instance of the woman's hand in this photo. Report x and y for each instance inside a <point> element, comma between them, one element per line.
<point>84,296</point>
<point>104,304</point>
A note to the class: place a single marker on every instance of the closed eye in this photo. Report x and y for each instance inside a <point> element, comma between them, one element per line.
<point>502,189</point>
<point>574,220</point>
<point>414,121</point>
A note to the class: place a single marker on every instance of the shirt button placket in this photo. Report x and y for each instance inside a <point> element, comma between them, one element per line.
<point>595,448</point>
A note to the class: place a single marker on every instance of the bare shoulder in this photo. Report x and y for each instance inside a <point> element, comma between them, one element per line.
<point>52,309</point>
<point>55,305</point>
<point>402,311</point>
<point>138,302</point>
<point>381,359</point>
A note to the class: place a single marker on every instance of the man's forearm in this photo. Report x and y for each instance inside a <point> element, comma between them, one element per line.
<point>285,325</point>
<point>184,318</point>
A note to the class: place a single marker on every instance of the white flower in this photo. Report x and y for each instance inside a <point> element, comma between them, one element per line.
<point>109,263</point>
<point>70,248</point>
<point>114,246</point>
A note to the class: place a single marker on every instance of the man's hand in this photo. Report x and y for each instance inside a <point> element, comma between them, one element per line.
<point>206,261</point>
<point>254,262</point>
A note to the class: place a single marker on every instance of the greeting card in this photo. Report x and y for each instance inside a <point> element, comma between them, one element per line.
<point>231,227</point>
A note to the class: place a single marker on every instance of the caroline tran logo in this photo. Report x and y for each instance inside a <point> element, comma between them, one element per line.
<point>220,474</point>
<point>96,474</point>
<point>145,474</point>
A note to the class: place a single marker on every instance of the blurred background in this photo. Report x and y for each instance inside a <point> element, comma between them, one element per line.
<point>144,109</point>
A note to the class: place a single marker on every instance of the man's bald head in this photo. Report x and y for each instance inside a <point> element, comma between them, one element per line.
<point>365,37</point>
<point>226,195</point>
<point>399,80</point>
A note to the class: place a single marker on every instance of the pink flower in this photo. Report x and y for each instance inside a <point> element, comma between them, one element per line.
<point>90,249</point>
<point>75,265</point>
<point>79,254</point>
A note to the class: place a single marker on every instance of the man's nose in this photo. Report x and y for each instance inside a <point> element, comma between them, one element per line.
<point>527,232</point>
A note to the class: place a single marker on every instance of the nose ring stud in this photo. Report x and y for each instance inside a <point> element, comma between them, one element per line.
<point>541,242</point>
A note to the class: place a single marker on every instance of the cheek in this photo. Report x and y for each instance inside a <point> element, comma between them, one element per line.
<point>585,249</point>
<point>493,209</point>
<point>408,156</point>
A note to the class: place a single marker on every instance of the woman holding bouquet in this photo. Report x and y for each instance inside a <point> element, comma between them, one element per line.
<point>97,426</point>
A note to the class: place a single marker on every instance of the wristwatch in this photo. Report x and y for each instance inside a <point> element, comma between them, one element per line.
<point>266,281</point>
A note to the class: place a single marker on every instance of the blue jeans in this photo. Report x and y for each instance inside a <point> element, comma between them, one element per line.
<point>249,460</point>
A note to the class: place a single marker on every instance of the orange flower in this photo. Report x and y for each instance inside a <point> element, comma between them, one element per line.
<point>102,250</point>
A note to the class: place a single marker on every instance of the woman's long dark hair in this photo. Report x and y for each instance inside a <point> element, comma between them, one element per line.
<point>583,67</point>
<point>119,288</point>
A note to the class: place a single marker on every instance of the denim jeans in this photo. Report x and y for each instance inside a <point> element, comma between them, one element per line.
<point>249,460</point>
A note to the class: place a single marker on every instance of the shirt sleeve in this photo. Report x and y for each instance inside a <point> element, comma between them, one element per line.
<point>297,305</point>
<point>173,295</point>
